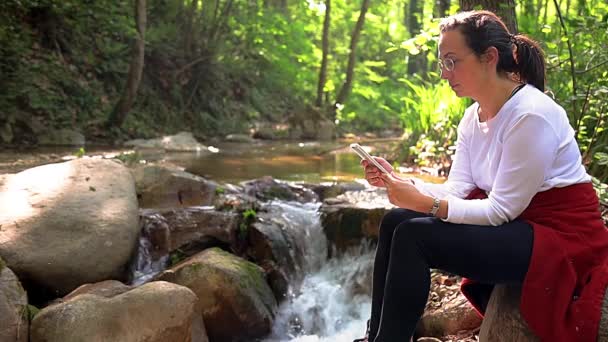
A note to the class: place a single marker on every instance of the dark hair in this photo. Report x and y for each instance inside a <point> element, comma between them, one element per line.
<point>483,29</point>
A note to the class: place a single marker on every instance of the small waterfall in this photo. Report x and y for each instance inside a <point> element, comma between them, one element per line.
<point>329,301</point>
<point>332,302</point>
<point>152,253</point>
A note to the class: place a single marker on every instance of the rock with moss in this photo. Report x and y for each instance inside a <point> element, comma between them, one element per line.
<point>236,301</point>
<point>14,320</point>
<point>154,312</point>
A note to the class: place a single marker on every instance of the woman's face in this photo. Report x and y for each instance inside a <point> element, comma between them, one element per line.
<point>461,67</point>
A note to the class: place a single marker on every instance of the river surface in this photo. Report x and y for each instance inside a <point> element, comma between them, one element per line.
<point>312,162</point>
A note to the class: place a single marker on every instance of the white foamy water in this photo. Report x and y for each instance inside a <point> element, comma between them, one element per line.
<point>333,301</point>
<point>146,264</point>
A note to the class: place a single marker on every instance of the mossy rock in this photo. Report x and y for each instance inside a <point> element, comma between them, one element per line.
<point>232,292</point>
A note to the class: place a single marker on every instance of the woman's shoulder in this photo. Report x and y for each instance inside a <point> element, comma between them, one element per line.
<point>534,101</point>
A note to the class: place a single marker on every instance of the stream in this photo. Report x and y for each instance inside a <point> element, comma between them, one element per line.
<point>328,304</point>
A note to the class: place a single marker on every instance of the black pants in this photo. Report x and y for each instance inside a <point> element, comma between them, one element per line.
<point>411,243</point>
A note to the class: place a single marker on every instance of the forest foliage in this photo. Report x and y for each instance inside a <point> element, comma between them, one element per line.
<point>227,66</point>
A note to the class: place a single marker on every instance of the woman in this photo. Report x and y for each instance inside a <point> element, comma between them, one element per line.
<point>517,208</point>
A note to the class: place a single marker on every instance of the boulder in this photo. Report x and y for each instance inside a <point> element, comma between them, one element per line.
<point>190,229</point>
<point>331,190</point>
<point>14,324</point>
<point>154,312</point>
<point>68,224</point>
<point>163,187</point>
<point>233,198</point>
<point>181,142</point>
<point>447,312</point>
<point>106,288</point>
<point>453,316</point>
<point>353,216</point>
<point>236,302</point>
<point>267,188</point>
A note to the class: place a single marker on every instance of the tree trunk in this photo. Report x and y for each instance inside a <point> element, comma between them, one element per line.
<point>325,47</point>
<point>441,8</point>
<point>582,8</point>
<point>502,321</point>
<point>119,114</point>
<point>530,9</point>
<point>503,8</point>
<point>413,15</point>
<point>350,69</point>
<point>188,31</point>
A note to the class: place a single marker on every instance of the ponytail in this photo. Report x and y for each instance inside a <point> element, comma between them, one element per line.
<point>530,61</point>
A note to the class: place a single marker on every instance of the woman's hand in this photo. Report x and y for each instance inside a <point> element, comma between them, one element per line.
<point>401,192</point>
<point>372,173</point>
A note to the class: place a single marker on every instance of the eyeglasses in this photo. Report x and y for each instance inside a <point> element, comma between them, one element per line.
<point>446,64</point>
<point>449,63</point>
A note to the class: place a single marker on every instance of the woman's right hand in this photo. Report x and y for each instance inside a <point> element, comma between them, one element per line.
<point>372,173</point>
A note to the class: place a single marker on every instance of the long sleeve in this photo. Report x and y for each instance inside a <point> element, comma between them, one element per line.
<point>460,180</point>
<point>529,148</point>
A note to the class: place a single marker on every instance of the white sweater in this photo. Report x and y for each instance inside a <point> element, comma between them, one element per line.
<point>528,147</point>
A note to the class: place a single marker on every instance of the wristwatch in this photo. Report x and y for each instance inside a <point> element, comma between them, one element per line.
<point>435,206</point>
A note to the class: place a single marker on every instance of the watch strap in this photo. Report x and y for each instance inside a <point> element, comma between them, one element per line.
<point>435,206</point>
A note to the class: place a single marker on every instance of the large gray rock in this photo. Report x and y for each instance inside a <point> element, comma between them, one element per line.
<point>236,301</point>
<point>181,142</point>
<point>68,224</point>
<point>154,312</point>
<point>163,187</point>
<point>14,323</point>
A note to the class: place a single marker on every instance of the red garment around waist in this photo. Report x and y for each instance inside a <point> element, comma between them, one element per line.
<point>564,288</point>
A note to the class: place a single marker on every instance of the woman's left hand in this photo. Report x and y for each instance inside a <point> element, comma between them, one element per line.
<point>401,192</point>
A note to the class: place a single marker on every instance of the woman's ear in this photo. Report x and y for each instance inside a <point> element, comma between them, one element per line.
<point>490,56</point>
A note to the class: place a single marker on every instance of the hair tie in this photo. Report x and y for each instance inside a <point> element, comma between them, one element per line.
<point>512,38</point>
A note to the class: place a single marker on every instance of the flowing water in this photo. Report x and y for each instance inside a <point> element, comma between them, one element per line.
<point>148,262</point>
<point>331,301</point>
<point>325,305</point>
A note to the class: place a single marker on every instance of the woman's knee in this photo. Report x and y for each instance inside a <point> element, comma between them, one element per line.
<point>415,230</point>
<point>394,218</point>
